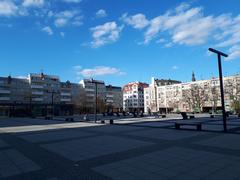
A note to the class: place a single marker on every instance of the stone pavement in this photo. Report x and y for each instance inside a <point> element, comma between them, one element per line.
<point>130,149</point>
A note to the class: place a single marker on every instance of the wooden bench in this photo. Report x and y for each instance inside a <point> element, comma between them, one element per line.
<point>111,121</point>
<point>198,125</point>
<point>48,117</point>
<point>185,116</point>
<point>69,119</point>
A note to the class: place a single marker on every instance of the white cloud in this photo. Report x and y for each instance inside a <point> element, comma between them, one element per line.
<point>33,3</point>
<point>72,1</point>
<point>62,34</point>
<point>48,30</point>
<point>186,25</point>
<point>234,52</point>
<point>138,21</point>
<point>64,18</point>
<point>8,8</point>
<point>98,71</point>
<point>101,13</point>
<point>60,22</point>
<point>106,33</point>
<point>175,67</point>
<point>176,24</point>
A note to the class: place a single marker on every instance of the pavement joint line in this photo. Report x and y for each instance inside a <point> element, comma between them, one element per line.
<point>50,164</point>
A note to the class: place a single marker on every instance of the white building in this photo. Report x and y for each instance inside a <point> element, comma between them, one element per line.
<point>198,96</point>
<point>133,96</point>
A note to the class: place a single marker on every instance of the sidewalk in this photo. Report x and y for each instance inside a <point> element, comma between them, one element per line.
<point>43,149</point>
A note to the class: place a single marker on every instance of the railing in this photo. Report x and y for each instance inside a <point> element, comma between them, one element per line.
<point>4,98</point>
<point>37,99</point>
<point>5,91</point>
<point>37,87</point>
<point>65,100</point>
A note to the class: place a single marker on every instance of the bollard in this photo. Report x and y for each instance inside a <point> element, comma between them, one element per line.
<point>111,121</point>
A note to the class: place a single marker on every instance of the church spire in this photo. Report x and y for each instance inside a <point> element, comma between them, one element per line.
<point>193,77</point>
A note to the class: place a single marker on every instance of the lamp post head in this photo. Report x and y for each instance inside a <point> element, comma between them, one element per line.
<point>218,52</point>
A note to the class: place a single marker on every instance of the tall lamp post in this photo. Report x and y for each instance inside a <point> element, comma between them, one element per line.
<point>52,103</point>
<point>219,53</point>
<point>95,107</point>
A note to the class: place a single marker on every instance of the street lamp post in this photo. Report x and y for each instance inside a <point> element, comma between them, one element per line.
<point>95,109</point>
<point>52,103</point>
<point>221,85</point>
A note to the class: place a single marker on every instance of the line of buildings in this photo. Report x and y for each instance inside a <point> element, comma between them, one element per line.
<point>41,94</point>
<point>166,96</point>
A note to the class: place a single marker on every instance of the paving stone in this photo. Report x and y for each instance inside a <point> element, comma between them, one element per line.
<point>93,147</point>
<point>167,134</point>
<point>229,141</point>
<point>55,135</point>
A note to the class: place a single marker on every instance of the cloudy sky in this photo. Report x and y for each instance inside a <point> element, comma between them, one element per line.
<point>118,40</point>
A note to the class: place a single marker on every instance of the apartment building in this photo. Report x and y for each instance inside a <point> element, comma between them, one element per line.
<point>195,96</point>
<point>114,98</point>
<point>39,94</point>
<point>95,94</point>
<point>133,96</point>
<point>151,94</point>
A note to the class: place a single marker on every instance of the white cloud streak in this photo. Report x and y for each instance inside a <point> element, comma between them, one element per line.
<point>8,8</point>
<point>101,13</point>
<point>138,21</point>
<point>48,30</point>
<point>33,3</point>
<point>106,33</point>
<point>98,71</point>
<point>186,25</point>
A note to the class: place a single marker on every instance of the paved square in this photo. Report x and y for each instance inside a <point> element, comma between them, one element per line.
<point>173,163</point>
<point>167,134</point>
<point>3,144</point>
<point>13,163</point>
<point>45,149</point>
<point>77,150</point>
<point>55,135</point>
<point>228,141</point>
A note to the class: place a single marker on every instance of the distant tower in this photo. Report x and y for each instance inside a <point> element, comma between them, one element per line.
<point>193,77</point>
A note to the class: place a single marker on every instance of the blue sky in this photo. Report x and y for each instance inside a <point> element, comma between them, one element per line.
<point>118,41</point>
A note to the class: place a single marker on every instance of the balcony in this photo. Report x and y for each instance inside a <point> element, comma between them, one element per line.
<point>37,99</point>
<point>5,91</point>
<point>91,90</point>
<point>4,98</point>
<point>65,94</point>
<point>37,86</point>
<point>90,95</point>
<point>37,93</point>
<point>109,96</point>
<point>65,100</point>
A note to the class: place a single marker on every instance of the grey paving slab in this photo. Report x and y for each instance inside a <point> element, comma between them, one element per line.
<point>77,150</point>
<point>14,162</point>
<point>155,124</point>
<point>3,144</point>
<point>115,128</point>
<point>228,141</point>
<point>167,134</point>
<point>55,135</point>
<point>172,163</point>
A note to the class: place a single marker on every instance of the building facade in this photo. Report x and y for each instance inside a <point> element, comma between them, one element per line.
<point>195,96</point>
<point>105,98</point>
<point>38,95</point>
<point>133,96</point>
<point>114,98</point>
